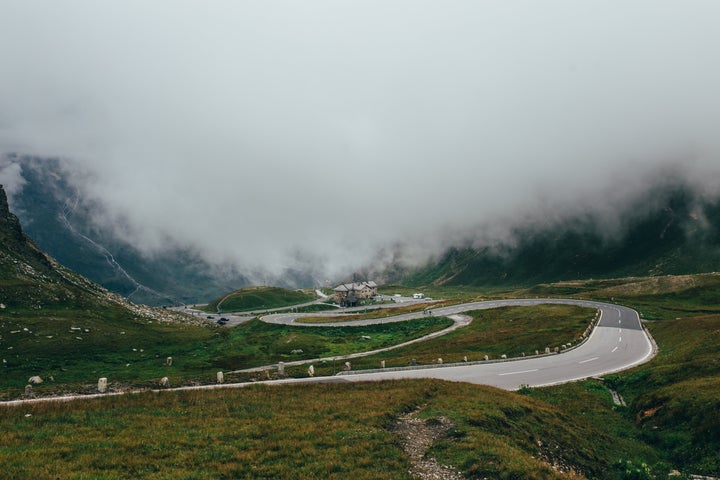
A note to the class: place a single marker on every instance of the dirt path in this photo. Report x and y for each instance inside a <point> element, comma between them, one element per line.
<point>417,436</point>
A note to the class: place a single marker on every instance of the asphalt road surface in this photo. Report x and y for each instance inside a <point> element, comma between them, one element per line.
<point>617,343</point>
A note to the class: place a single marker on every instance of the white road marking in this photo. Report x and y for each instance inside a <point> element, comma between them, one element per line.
<point>614,349</point>
<point>516,373</point>
<point>589,360</point>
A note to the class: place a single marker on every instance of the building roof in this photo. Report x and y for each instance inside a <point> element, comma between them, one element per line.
<point>353,287</point>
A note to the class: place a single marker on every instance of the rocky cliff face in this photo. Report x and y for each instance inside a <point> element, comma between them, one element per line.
<point>19,256</point>
<point>9,223</point>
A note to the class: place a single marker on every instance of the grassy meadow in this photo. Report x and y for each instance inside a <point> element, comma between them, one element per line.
<point>343,430</point>
<point>258,298</point>
<point>312,431</point>
<point>75,350</point>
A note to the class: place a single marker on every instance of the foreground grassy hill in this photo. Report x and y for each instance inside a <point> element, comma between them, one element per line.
<point>316,431</point>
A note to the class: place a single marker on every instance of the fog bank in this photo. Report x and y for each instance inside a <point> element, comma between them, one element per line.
<point>270,135</point>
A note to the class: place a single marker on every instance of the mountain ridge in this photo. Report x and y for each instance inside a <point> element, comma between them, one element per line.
<point>30,279</point>
<point>678,234</point>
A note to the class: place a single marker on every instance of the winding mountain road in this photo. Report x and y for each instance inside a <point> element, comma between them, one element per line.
<point>617,343</point>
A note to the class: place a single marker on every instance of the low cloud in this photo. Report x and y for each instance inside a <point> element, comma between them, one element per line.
<point>317,134</point>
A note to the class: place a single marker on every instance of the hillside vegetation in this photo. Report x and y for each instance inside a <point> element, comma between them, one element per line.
<point>258,298</point>
<point>333,431</point>
<point>670,230</point>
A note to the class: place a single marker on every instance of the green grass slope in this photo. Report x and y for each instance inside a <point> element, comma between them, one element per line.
<point>333,431</point>
<point>258,298</point>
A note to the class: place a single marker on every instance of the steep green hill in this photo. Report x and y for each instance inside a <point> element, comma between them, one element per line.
<point>258,298</point>
<point>54,322</point>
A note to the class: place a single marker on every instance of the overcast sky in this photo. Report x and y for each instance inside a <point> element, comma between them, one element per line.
<point>258,131</point>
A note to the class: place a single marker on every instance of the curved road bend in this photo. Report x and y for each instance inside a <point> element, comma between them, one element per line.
<point>618,342</point>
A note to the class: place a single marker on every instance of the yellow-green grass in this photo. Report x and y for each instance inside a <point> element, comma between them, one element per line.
<point>373,313</point>
<point>456,293</point>
<point>329,431</point>
<point>131,352</point>
<point>507,331</point>
<point>673,401</point>
<point>676,398</point>
<point>656,298</point>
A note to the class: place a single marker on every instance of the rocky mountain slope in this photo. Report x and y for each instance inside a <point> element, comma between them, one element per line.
<point>59,219</point>
<point>32,280</point>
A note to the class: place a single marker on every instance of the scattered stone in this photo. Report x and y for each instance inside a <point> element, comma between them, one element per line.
<point>486,358</point>
<point>281,369</point>
<point>440,361</point>
<point>503,356</point>
<point>366,337</point>
<point>617,398</point>
<point>557,349</point>
<point>537,352</point>
<point>296,351</point>
<point>29,392</point>
<point>348,366</point>
<point>220,377</point>
<point>164,382</point>
<point>465,358</point>
<point>413,362</point>
<point>417,436</point>
<point>547,349</point>
<point>35,380</point>
<point>311,371</point>
<point>169,361</point>
<point>102,385</point>
<point>382,363</point>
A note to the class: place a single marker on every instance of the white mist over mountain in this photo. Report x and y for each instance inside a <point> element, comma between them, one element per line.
<point>315,134</point>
